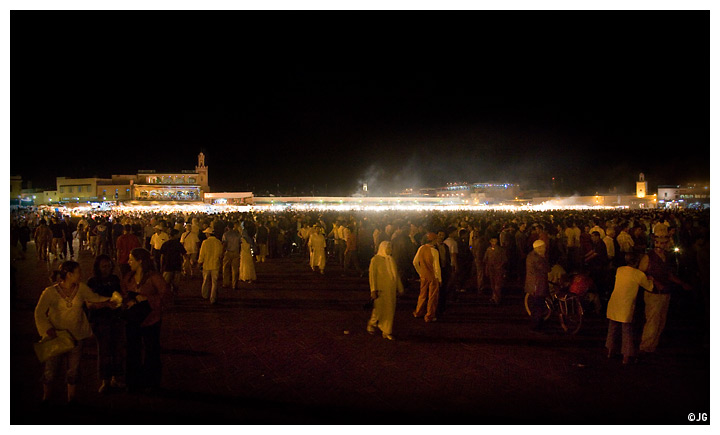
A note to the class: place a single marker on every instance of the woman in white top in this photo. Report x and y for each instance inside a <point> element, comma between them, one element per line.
<point>61,308</point>
<point>621,307</point>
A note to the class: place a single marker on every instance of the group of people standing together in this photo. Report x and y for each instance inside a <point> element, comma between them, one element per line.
<point>123,313</point>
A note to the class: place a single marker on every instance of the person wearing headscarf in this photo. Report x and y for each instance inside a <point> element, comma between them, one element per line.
<point>247,266</point>
<point>316,245</point>
<point>427,265</point>
<point>385,285</point>
<point>536,282</point>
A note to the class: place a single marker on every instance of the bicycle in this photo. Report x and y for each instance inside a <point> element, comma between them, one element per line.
<point>566,301</point>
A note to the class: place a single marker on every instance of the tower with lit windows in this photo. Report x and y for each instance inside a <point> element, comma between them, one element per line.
<point>202,172</point>
<point>641,186</point>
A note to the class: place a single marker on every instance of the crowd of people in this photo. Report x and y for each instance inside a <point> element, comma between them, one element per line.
<point>443,253</point>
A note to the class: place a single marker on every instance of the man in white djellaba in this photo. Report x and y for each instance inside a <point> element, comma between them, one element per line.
<point>385,285</point>
<point>316,246</point>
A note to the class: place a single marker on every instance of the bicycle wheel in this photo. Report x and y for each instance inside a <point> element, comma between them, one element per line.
<point>547,308</point>
<point>571,314</point>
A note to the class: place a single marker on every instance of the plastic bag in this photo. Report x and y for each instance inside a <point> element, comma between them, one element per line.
<point>50,347</point>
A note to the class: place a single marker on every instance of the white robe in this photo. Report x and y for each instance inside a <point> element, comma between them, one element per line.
<point>316,243</point>
<point>247,266</point>
<point>388,285</point>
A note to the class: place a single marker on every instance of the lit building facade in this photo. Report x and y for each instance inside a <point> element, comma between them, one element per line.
<point>188,185</point>
<point>694,195</point>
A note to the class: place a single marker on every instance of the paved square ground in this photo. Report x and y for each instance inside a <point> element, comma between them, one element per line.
<point>292,349</point>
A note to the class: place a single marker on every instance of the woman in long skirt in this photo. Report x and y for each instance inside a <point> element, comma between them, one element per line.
<point>385,285</point>
<point>247,267</point>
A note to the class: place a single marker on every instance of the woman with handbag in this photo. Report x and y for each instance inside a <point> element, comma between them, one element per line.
<point>145,294</point>
<point>60,307</point>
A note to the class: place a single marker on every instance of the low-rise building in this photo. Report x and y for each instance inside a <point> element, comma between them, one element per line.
<point>693,195</point>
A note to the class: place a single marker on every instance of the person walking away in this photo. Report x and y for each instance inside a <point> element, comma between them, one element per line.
<point>209,259</point>
<point>536,283</point>
<point>107,326</point>
<point>385,285</point>
<point>427,265</point>
<point>621,307</point>
<point>171,259</point>
<point>60,307</point>
<point>145,296</point>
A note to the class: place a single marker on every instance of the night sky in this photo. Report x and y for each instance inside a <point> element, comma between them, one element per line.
<point>294,102</point>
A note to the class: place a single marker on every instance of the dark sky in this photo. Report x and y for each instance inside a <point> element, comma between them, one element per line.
<point>304,100</point>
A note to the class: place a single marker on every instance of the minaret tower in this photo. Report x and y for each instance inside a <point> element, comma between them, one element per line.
<point>202,172</point>
<point>641,186</point>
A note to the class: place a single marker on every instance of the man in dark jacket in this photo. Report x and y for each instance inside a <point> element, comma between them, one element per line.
<point>171,260</point>
<point>536,282</point>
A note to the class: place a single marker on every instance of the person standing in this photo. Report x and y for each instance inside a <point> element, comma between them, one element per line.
<point>655,264</point>
<point>118,229</point>
<point>625,240</point>
<point>60,307</point>
<point>572,238</point>
<point>596,263</point>
<point>124,245</point>
<point>209,259</point>
<point>190,242</point>
<point>247,266</point>
<point>107,325</point>
<point>427,265</point>
<point>261,239</point>
<point>536,282</point>
<point>68,229</point>
<point>340,243</point>
<point>621,308</point>
<point>231,257</point>
<point>385,285</point>
<point>351,252</point>
<point>495,261</point>
<point>58,238</point>
<point>316,246</point>
<point>156,242</point>
<point>43,238</point>
<point>145,296</point>
<point>171,259</point>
